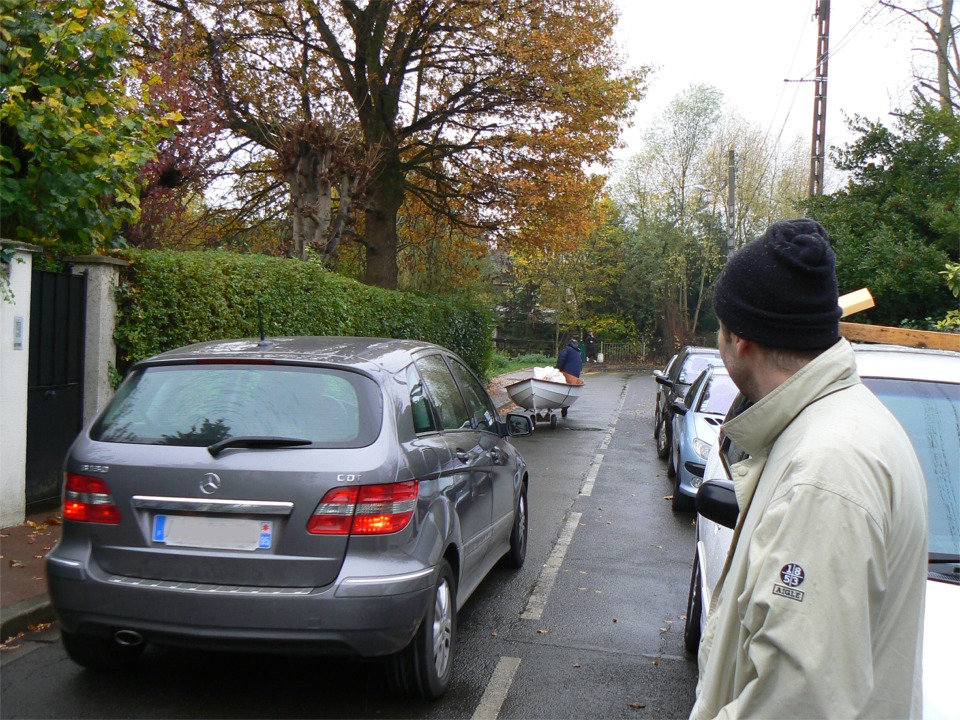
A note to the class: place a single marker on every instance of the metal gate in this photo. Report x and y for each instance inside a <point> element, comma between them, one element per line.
<point>55,380</point>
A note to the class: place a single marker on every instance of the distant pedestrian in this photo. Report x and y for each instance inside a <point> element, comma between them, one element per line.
<point>569,362</point>
<point>819,610</point>
<point>590,341</point>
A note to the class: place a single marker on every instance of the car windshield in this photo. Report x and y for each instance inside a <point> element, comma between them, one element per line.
<point>200,405</point>
<point>718,395</point>
<point>930,413</point>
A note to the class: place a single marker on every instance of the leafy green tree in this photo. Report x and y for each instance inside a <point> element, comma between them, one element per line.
<point>76,123</point>
<point>895,225</point>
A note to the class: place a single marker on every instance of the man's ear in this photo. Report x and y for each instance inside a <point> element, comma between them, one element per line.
<point>742,346</point>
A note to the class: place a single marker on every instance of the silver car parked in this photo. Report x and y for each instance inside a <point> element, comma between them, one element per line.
<point>326,495</point>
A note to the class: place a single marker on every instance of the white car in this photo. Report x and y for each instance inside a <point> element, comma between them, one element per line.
<point>922,388</point>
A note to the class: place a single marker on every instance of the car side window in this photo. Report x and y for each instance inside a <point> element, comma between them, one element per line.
<point>424,419</point>
<point>443,392</point>
<point>481,410</point>
<point>673,367</point>
<point>694,389</point>
<point>730,452</point>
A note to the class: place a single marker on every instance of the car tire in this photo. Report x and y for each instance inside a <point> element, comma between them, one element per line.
<point>681,502</point>
<point>101,654</point>
<point>663,438</point>
<point>691,628</point>
<point>424,668</point>
<point>518,536</point>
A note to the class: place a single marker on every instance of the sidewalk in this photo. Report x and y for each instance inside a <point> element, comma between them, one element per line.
<point>23,581</point>
<point>23,584</point>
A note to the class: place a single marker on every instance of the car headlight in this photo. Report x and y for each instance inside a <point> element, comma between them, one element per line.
<point>701,448</point>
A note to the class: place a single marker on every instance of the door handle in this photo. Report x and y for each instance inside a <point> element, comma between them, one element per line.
<point>463,456</point>
<point>496,455</point>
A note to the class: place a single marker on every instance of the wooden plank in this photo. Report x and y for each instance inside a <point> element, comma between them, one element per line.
<point>858,332</point>
<point>856,301</point>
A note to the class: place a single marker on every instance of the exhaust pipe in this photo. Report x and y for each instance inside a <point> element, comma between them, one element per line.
<point>128,638</point>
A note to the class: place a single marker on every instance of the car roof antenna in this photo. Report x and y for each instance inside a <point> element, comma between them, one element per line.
<point>264,343</point>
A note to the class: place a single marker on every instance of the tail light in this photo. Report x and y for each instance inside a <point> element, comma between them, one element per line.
<point>365,510</point>
<point>88,499</point>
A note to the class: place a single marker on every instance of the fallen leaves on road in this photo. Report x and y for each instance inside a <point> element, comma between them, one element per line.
<point>16,564</point>
<point>543,631</point>
<point>638,705</point>
<point>656,663</point>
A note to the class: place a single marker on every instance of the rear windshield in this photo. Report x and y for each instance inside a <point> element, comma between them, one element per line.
<point>199,405</point>
<point>695,365</point>
<point>930,413</point>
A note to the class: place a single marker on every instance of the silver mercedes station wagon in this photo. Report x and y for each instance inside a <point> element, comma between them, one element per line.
<point>340,496</point>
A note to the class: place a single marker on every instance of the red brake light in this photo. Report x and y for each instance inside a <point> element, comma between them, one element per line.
<point>365,510</point>
<point>334,514</point>
<point>88,499</point>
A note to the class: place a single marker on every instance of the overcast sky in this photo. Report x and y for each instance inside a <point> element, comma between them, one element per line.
<point>747,48</point>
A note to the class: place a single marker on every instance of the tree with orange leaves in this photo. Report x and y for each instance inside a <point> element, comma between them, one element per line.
<point>485,111</point>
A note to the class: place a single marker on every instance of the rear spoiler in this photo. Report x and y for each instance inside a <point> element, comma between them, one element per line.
<point>858,332</point>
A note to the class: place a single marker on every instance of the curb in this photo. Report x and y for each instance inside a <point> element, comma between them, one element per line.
<point>19,617</point>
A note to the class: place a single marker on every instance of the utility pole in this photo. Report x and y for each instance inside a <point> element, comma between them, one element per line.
<point>731,202</point>
<point>818,145</point>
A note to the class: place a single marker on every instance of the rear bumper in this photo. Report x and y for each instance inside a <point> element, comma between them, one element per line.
<point>363,616</point>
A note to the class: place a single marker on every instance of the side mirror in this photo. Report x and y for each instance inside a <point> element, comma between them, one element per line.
<point>518,425</point>
<point>662,379</point>
<point>717,501</point>
<point>678,407</point>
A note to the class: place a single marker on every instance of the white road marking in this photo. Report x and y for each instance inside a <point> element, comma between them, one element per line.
<point>591,475</point>
<point>497,689</point>
<point>541,591</point>
<point>608,438</point>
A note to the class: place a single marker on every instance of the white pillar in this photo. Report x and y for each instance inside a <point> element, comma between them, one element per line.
<point>15,289</point>
<point>100,350</point>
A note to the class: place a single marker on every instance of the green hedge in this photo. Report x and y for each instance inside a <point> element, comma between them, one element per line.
<point>170,298</point>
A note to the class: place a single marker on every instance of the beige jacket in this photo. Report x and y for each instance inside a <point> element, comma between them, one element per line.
<point>819,611</point>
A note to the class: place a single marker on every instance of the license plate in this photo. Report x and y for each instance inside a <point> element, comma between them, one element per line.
<point>213,533</point>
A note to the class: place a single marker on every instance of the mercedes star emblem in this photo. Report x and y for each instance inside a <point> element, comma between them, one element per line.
<point>210,484</point>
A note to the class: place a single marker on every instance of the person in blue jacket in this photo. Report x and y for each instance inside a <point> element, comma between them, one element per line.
<point>570,360</point>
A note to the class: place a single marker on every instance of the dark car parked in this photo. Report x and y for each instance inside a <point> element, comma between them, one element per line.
<point>327,495</point>
<point>672,384</point>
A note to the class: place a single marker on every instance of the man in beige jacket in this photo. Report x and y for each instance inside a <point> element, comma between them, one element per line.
<point>819,610</point>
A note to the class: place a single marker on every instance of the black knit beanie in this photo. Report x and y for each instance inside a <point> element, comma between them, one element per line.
<point>781,289</point>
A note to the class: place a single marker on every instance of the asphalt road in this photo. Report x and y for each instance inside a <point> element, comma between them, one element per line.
<point>591,626</point>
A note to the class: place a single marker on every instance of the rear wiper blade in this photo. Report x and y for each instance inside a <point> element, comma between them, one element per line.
<point>256,441</point>
<point>944,558</point>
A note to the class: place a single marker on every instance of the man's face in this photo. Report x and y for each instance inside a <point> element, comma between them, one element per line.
<point>735,366</point>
